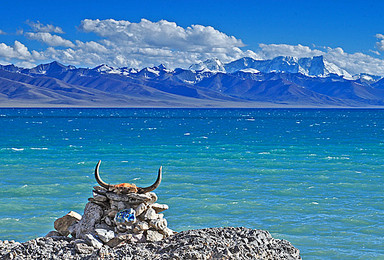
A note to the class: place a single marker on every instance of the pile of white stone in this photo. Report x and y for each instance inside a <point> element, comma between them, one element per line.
<point>111,218</point>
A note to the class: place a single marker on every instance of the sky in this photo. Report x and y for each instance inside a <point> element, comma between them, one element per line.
<point>137,34</point>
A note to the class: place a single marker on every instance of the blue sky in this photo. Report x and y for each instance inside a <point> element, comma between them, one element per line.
<point>88,33</point>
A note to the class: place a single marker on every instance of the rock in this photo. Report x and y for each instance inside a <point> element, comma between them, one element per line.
<point>167,232</point>
<point>150,214</point>
<point>111,213</point>
<point>103,204</point>
<point>153,197</point>
<point>153,236</point>
<point>108,221</point>
<point>159,207</point>
<point>133,198</point>
<point>141,226</point>
<point>83,248</point>
<point>158,224</point>
<point>100,190</point>
<point>92,215</point>
<point>72,229</point>
<point>53,233</point>
<point>121,205</point>
<point>127,216</point>
<point>141,208</point>
<point>114,242</point>
<point>99,197</point>
<point>138,238</point>
<point>114,205</point>
<point>125,236</point>
<point>210,243</point>
<point>62,224</point>
<point>93,241</point>
<point>104,234</point>
<point>103,225</point>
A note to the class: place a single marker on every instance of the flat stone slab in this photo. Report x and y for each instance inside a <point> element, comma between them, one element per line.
<point>133,198</point>
<point>62,224</point>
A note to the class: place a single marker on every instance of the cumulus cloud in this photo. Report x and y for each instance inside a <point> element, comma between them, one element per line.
<point>380,43</point>
<point>18,52</point>
<point>269,51</point>
<point>50,39</point>
<point>149,43</point>
<point>48,28</point>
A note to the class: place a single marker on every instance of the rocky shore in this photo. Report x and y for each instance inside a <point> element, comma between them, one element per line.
<point>211,243</point>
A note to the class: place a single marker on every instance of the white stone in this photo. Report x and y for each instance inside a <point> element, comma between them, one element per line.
<point>93,241</point>
<point>141,226</point>
<point>159,207</point>
<point>159,224</point>
<point>153,236</point>
<point>83,248</point>
<point>138,238</point>
<point>104,234</point>
<point>168,232</point>
<point>153,197</point>
<point>141,208</point>
<point>150,214</point>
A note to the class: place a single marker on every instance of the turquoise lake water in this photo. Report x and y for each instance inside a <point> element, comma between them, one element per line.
<point>312,177</point>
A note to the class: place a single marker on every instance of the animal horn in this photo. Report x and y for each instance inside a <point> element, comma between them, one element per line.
<point>98,179</point>
<point>153,186</point>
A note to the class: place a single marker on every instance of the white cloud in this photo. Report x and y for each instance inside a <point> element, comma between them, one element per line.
<point>48,28</point>
<point>149,43</point>
<point>2,32</point>
<point>18,51</point>
<point>380,43</point>
<point>161,34</point>
<point>50,39</point>
<point>269,51</point>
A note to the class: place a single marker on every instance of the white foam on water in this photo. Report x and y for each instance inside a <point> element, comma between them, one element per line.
<point>17,149</point>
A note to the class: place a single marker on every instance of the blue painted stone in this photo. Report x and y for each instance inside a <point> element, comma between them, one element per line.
<point>127,215</point>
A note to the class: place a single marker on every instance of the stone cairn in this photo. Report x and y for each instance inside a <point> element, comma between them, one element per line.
<point>113,216</point>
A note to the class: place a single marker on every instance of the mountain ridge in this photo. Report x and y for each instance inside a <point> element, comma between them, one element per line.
<point>282,81</point>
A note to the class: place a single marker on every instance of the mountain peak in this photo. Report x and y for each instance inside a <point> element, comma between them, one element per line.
<point>52,67</point>
<point>213,64</point>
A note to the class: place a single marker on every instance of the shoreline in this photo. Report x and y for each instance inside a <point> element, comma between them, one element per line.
<point>209,243</point>
<point>193,107</point>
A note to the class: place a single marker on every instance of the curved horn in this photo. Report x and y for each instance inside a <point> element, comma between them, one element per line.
<point>98,179</point>
<point>153,186</point>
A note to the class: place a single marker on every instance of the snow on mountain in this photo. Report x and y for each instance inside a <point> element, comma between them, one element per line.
<point>250,70</point>
<point>103,68</point>
<point>213,65</point>
<point>313,66</point>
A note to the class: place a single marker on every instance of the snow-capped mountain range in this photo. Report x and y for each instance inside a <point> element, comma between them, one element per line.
<point>314,66</point>
<point>282,81</point>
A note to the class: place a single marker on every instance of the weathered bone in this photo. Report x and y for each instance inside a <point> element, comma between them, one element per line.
<point>127,186</point>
